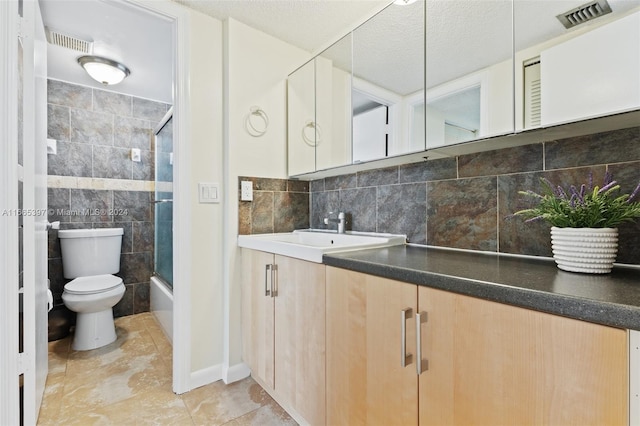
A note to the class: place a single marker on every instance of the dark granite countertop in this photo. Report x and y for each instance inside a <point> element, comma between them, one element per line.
<point>536,283</point>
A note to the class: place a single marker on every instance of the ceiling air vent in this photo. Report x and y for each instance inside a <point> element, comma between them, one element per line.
<point>584,13</point>
<point>70,42</point>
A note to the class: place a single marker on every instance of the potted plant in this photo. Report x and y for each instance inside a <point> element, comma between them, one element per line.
<point>584,220</point>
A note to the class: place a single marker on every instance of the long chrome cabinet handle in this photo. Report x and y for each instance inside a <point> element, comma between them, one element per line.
<point>267,286</point>
<point>405,358</point>
<point>274,280</point>
<point>419,343</point>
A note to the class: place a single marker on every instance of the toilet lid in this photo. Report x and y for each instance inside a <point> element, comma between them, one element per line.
<point>93,284</point>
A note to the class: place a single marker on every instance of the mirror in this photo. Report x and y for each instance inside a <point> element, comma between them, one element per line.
<point>301,99</point>
<point>492,68</point>
<point>319,111</point>
<point>469,70</point>
<point>333,105</point>
<point>388,83</point>
<point>588,70</point>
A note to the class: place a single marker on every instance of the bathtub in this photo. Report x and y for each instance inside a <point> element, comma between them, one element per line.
<point>162,305</point>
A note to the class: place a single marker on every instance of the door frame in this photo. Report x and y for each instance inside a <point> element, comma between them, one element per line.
<point>9,172</point>
<point>182,341</point>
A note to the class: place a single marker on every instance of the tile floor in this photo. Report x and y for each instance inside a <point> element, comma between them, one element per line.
<point>129,383</point>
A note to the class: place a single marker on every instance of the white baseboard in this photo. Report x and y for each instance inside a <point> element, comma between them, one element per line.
<point>235,372</point>
<point>205,376</point>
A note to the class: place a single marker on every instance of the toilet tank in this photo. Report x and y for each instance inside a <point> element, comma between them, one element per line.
<point>90,251</point>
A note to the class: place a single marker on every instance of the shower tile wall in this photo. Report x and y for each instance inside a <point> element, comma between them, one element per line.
<point>278,205</point>
<point>94,184</point>
<point>465,202</point>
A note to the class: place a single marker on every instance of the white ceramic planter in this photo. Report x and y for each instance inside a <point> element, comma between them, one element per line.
<point>587,250</point>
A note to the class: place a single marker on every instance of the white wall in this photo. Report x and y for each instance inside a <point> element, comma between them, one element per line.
<point>206,91</point>
<point>257,66</point>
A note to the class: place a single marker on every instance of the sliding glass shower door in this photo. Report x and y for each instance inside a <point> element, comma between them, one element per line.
<point>163,257</point>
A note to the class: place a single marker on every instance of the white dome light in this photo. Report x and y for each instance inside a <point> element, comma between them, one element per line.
<point>104,70</point>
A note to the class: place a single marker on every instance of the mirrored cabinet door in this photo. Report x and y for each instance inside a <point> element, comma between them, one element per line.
<point>575,60</point>
<point>302,134</point>
<point>388,83</point>
<point>469,70</point>
<point>333,105</point>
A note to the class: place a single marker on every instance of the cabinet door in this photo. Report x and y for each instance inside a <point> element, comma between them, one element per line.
<point>257,315</point>
<point>366,383</point>
<point>300,337</point>
<point>489,363</point>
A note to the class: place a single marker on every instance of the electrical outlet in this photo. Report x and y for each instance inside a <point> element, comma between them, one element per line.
<point>246,190</point>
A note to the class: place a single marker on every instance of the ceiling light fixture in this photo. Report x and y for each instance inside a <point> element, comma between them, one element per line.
<point>103,70</point>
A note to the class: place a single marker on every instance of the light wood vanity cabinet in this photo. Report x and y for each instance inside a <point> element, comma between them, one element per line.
<point>481,362</point>
<point>284,330</point>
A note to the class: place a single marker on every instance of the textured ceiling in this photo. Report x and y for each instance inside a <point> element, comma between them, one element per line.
<point>308,24</point>
<point>462,35</point>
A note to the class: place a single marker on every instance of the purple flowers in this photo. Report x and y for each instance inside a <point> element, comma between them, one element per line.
<point>586,207</point>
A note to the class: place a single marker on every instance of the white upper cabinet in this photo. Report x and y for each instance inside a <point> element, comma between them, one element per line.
<point>594,74</point>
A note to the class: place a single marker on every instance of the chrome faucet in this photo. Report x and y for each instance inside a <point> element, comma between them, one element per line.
<point>340,220</point>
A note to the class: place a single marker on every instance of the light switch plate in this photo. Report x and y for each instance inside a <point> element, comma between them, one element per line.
<point>246,190</point>
<point>208,192</point>
<point>135,155</point>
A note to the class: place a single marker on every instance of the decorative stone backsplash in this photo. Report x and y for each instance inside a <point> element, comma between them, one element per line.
<point>466,202</point>
<point>278,205</point>
<point>94,184</point>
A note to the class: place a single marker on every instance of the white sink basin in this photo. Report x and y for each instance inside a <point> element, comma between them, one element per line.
<point>310,244</point>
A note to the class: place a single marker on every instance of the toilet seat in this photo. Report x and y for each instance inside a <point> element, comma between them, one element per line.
<point>93,284</point>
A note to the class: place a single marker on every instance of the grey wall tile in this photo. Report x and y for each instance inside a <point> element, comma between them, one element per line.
<point>132,133</point>
<point>136,267</point>
<point>58,121</point>
<point>359,206</point>
<point>143,238</point>
<point>141,298</point>
<point>462,213</point>
<point>321,204</point>
<point>91,205</point>
<point>110,102</point>
<point>58,201</point>
<point>244,218</point>
<point>387,176</point>
<point>340,182</point>
<point>316,185</point>
<point>445,168</point>
<point>291,211</point>
<point>510,160</point>
<point>144,170</point>
<point>71,95</point>
<point>600,148</point>
<point>402,209</point>
<point>262,213</point>
<point>71,159</point>
<point>112,163</point>
<point>298,186</point>
<point>149,110</point>
<point>132,206</point>
<point>91,127</point>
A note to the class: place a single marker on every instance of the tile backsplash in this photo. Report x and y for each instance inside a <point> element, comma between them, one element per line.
<point>94,184</point>
<point>466,202</point>
<point>278,205</point>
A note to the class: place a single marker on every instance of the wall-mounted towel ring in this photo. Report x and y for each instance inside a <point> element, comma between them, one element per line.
<point>317,136</point>
<point>258,126</point>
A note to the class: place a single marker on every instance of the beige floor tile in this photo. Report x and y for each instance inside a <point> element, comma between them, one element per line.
<point>217,403</point>
<point>129,383</point>
<point>270,414</point>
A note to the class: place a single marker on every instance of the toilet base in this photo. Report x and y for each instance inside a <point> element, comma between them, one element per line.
<point>94,330</point>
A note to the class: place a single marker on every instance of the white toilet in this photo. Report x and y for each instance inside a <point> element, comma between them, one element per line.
<point>90,256</point>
